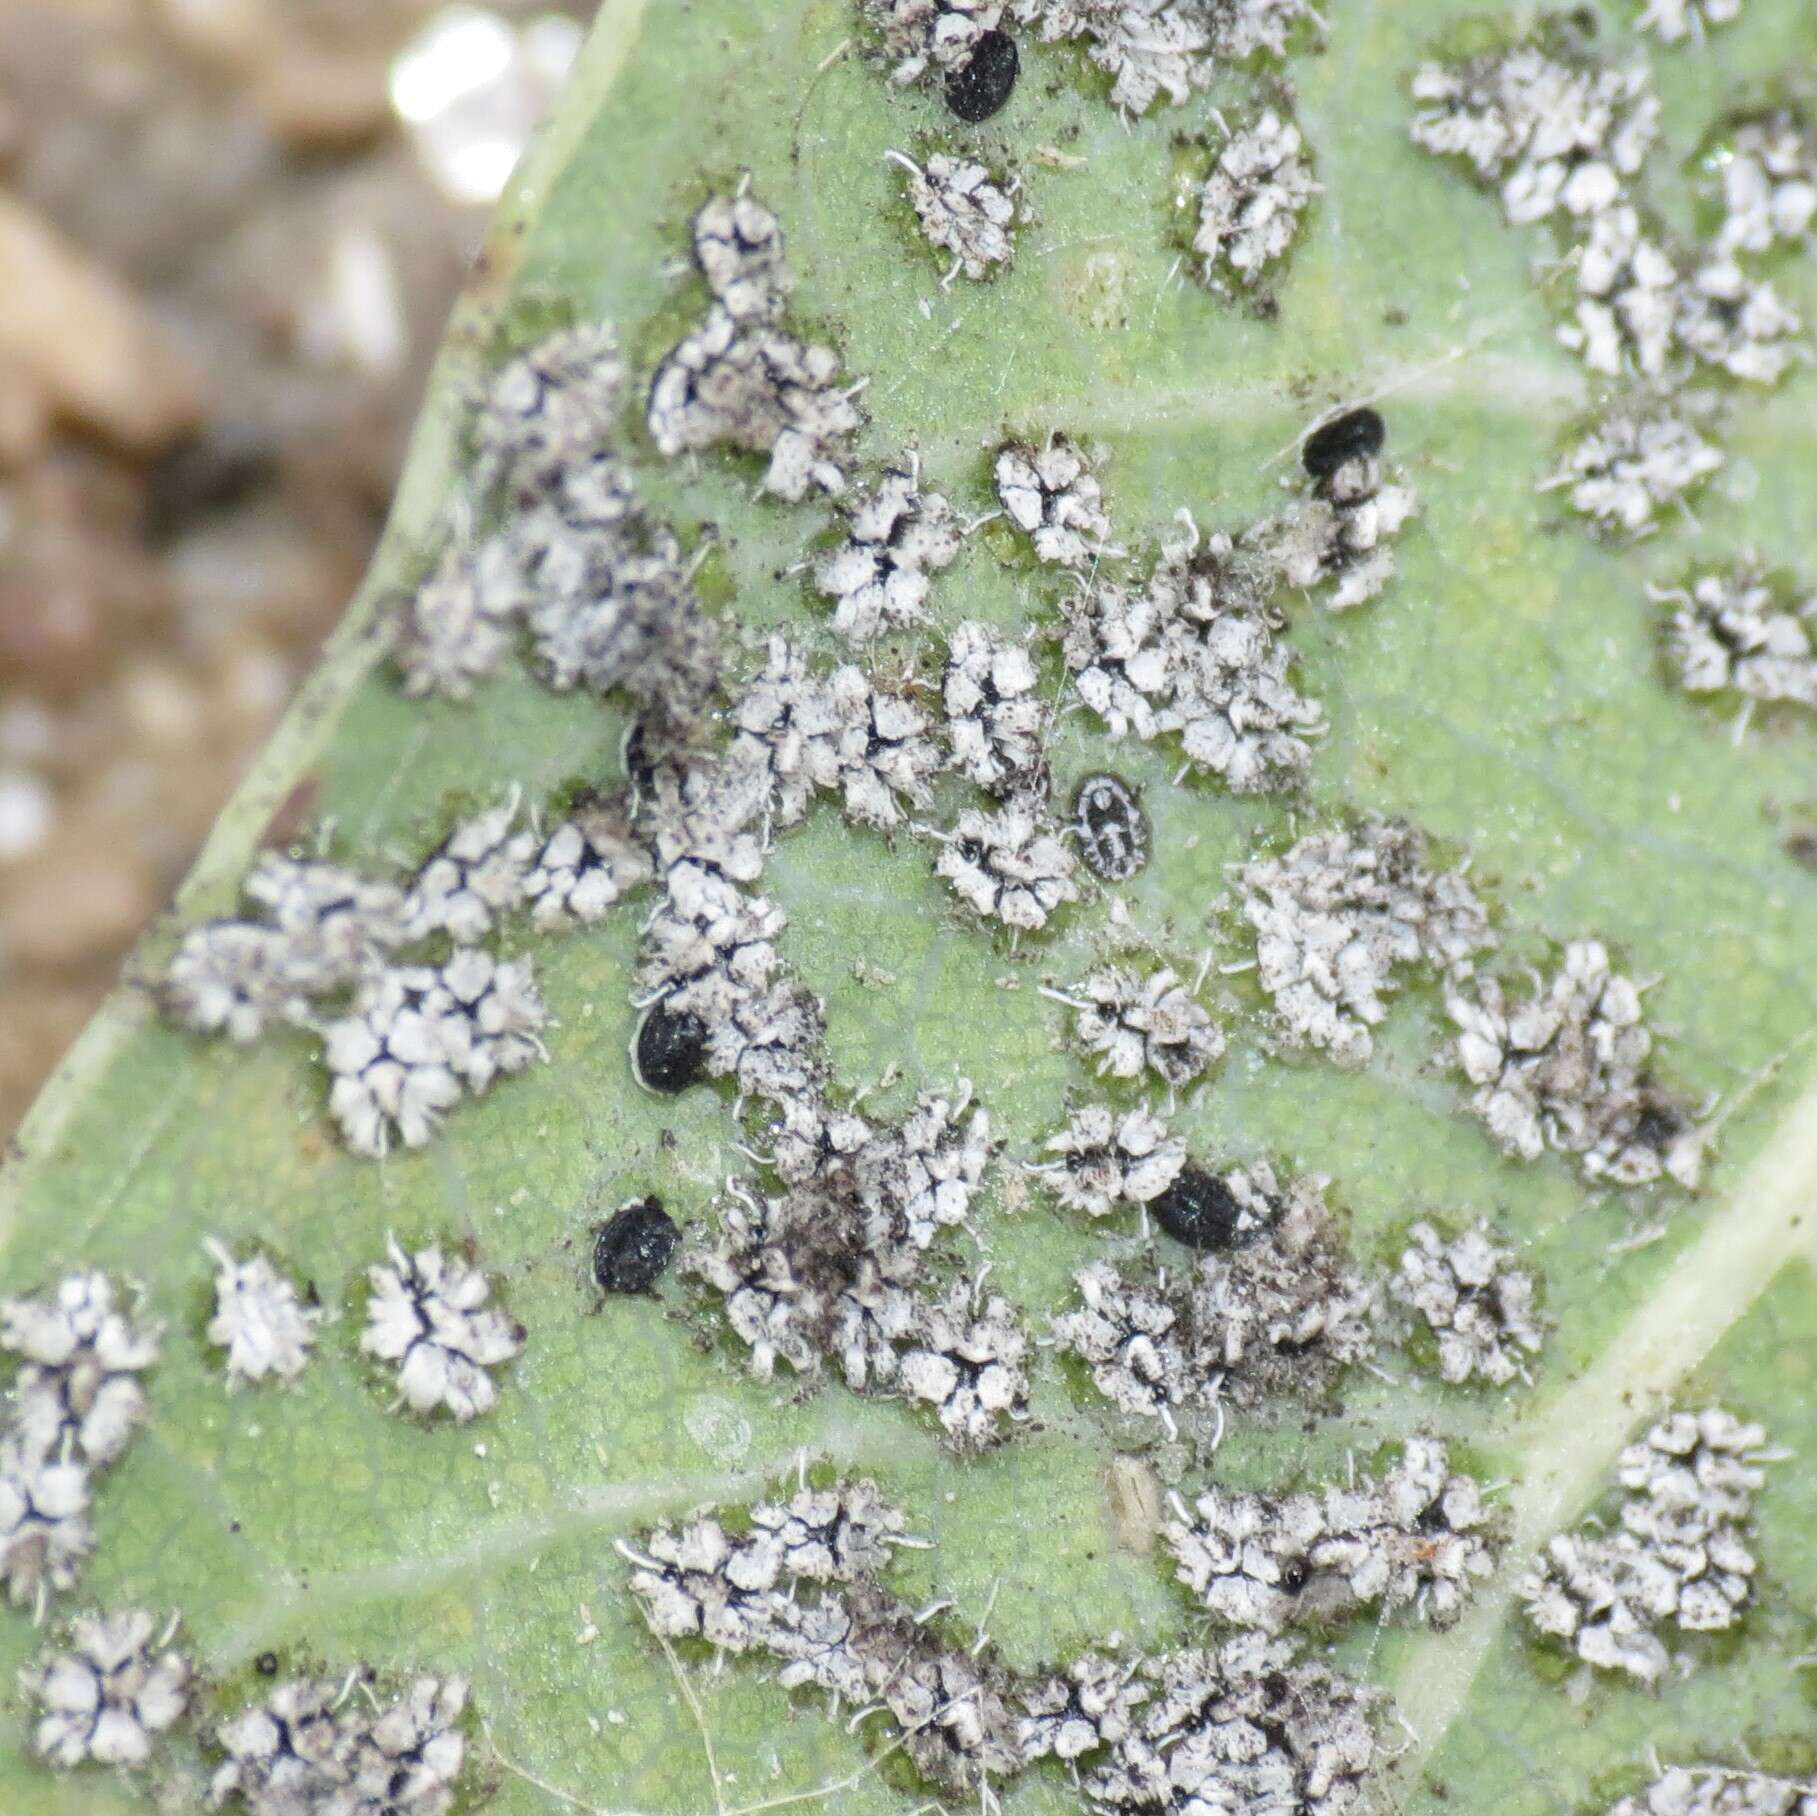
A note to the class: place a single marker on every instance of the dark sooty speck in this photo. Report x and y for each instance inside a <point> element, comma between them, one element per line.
<point>1356,434</point>
<point>633,1247</point>
<point>981,85</point>
<point>1198,1210</point>
<point>670,1049</point>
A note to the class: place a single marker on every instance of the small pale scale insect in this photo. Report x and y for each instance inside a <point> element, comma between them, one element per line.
<point>1112,832</point>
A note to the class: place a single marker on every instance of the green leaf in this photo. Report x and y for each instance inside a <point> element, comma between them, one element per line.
<point>1505,694</point>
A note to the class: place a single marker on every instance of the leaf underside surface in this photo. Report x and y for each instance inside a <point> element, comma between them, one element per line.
<point>1505,694</point>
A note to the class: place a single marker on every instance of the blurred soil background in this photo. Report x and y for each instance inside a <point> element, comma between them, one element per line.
<point>230,232</point>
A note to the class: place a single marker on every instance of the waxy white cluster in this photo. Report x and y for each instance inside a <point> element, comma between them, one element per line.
<point>428,1315</point>
<point>1195,652</point>
<point>577,563</point>
<point>1130,1024</point>
<point>108,1693</point>
<point>1247,1729</point>
<point>588,863</point>
<point>1569,1067</point>
<point>829,1271</point>
<point>1280,1312</point>
<point>967,1362</point>
<point>699,1582</point>
<point>993,714</point>
<point>1676,20</point>
<point>320,930</point>
<point>1637,309</point>
<point>409,1041</point>
<point>1476,1303</point>
<point>1340,534</point>
<point>1053,497</point>
<point>1338,916</point>
<point>1566,140</point>
<point>1720,1791</point>
<point>966,211</point>
<point>1679,1560</point>
<point>1415,1537</point>
<point>259,1321</point>
<point>1729,634</point>
<point>420,1038</point>
<point>1089,1706</point>
<point>709,952</point>
<point>1108,1160</point>
<point>473,879</point>
<point>1283,1312</point>
<point>1250,204</point>
<point>802,1589</point>
<point>1769,185</point>
<point>313,1746</point>
<point>741,379</point>
<point>1162,49</point>
<point>1008,863</point>
<point>1636,461</point>
<point>75,1405</point>
<point>1243,1729</point>
<point>897,537</point>
<point>548,412</point>
<point>928,36</point>
<point>1551,136</point>
<point>838,734</point>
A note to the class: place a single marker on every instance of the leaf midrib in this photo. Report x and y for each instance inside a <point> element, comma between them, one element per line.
<point>1766,1222</point>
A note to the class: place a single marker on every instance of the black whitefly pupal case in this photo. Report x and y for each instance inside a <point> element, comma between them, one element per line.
<point>1200,1210</point>
<point>1356,435</point>
<point>634,1247</point>
<point>669,1051</point>
<point>982,84</point>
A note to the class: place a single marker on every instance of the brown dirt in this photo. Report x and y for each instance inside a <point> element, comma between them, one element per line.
<point>193,462</point>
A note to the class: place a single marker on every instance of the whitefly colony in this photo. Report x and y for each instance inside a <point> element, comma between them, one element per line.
<point>851,1249</point>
